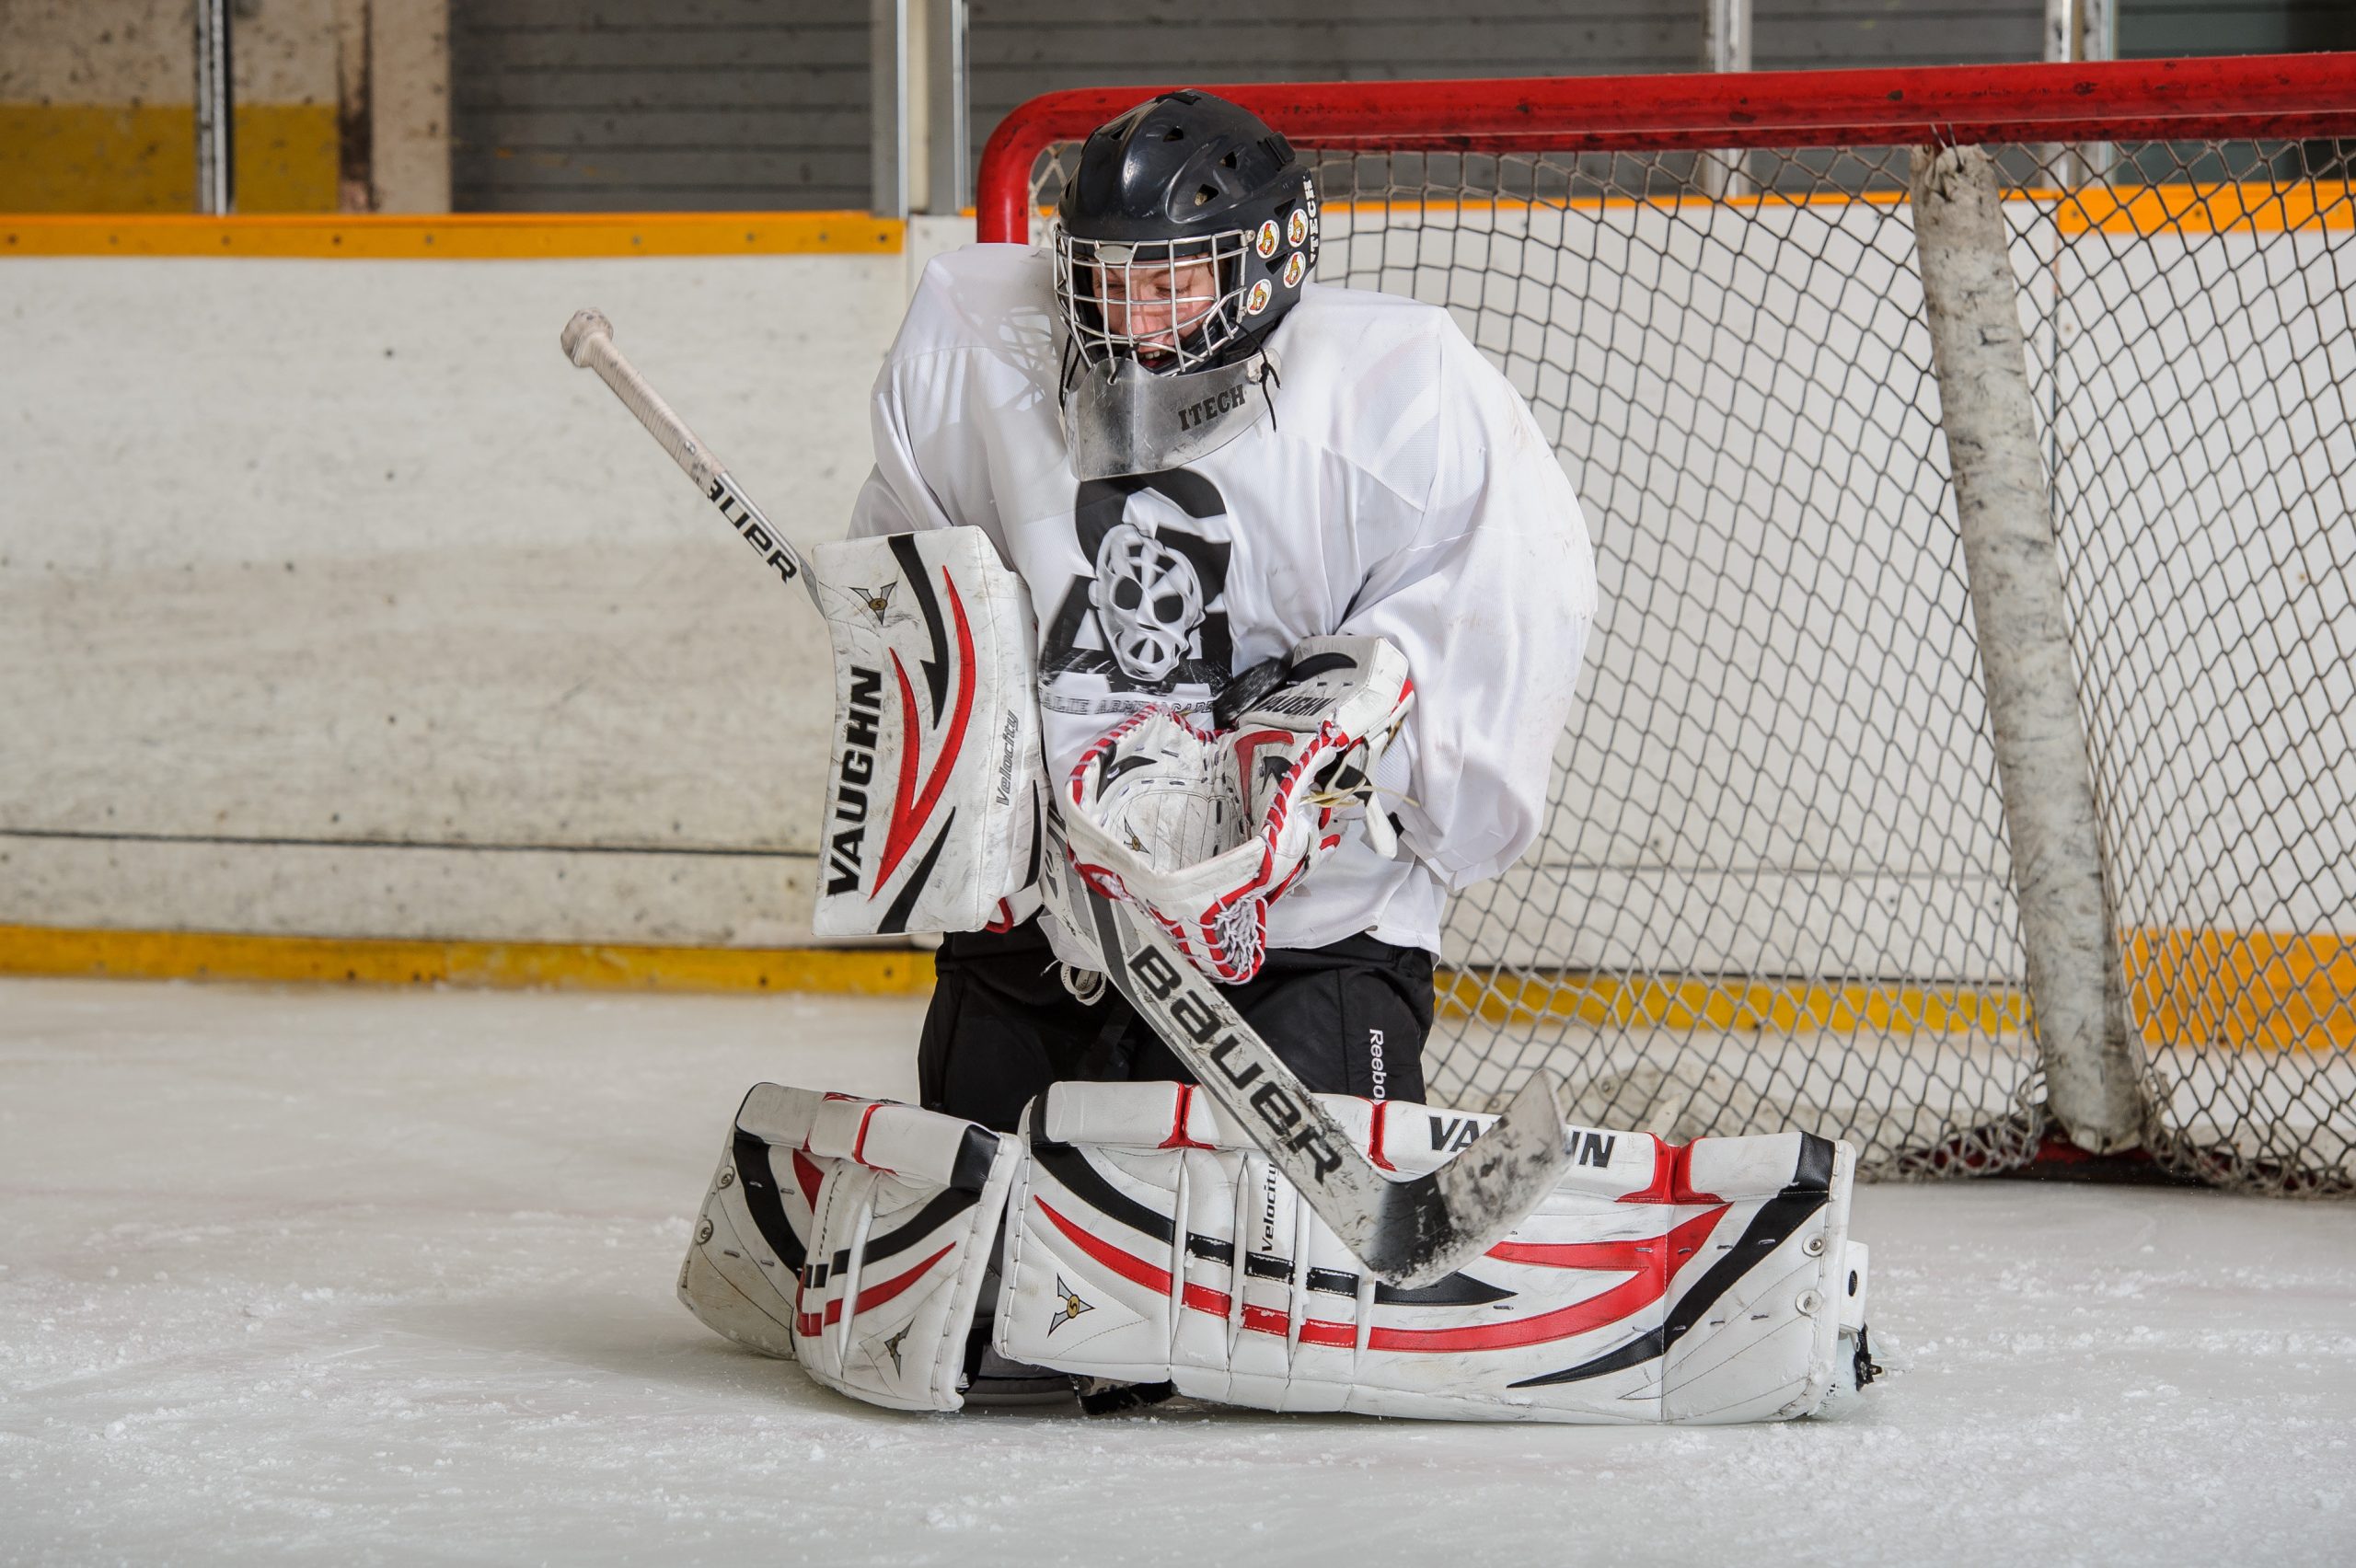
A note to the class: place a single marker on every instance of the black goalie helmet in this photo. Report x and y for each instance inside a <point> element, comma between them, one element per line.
<point>1184,236</point>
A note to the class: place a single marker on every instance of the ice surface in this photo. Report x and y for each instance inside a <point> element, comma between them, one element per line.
<point>366,1276</point>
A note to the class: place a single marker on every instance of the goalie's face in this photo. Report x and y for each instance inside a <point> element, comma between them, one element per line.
<point>1154,307</point>
<point>1166,305</point>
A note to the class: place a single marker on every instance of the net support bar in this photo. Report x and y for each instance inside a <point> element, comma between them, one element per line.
<point>2076,984</point>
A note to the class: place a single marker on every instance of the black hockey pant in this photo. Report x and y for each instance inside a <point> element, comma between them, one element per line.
<point>1350,1019</point>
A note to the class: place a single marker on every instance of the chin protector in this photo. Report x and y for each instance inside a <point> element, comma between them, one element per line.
<point>1120,418</point>
<point>1708,1282</point>
<point>932,790</point>
<point>853,1235</point>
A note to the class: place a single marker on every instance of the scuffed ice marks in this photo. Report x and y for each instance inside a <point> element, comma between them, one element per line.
<point>417,1251</point>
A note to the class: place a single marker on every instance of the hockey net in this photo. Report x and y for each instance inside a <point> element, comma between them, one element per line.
<point>1776,888</point>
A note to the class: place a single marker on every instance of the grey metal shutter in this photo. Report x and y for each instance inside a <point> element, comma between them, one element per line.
<point>1021,48</point>
<point>1824,35</point>
<point>658,105</point>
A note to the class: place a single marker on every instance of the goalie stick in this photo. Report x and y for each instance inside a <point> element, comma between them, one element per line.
<point>588,342</point>
<point>1408,1232</point>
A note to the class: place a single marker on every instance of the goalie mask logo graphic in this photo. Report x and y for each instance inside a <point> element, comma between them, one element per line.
<point>1148,616</point>
<point>1148,600</point>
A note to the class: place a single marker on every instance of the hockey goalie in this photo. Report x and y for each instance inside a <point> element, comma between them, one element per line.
<point>1251,610</point>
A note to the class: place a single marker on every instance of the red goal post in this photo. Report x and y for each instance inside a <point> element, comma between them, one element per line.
<point>1819,728</point>
<point>2286,97</point>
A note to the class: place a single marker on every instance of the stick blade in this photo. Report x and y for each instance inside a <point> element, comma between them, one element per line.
<point>1426,1227</point>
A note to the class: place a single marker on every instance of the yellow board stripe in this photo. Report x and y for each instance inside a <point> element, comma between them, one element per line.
<point>2263,990</point>
<point>1728,1003</point>
<point>473,236</point>
<point>2252,206</point>
<point>210,955</point>
<point>2246,207</point>
<point>2244,990</point>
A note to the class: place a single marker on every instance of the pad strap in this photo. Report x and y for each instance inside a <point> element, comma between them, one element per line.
<point>1700,1284</point>
<point>853,1235</point>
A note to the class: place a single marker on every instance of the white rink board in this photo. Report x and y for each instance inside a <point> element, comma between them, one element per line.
<point>356,1276</point>
<point>332,600</point>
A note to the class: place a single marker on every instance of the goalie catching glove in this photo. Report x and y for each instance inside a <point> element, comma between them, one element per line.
<point>1129,1235</point>
<point>1204,828</point>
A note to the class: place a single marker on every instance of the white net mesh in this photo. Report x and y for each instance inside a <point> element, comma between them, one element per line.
<point>1775,889</point>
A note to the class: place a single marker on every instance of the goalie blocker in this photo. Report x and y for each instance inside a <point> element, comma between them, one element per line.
<point>932,813</point>
<point>1144,1242</point>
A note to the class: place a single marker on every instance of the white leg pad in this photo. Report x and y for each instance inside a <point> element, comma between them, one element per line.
<point>1701,1284</point>
<point>852,1235</point>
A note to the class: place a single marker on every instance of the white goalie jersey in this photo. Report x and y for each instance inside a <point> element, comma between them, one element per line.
<point>1401,491</point>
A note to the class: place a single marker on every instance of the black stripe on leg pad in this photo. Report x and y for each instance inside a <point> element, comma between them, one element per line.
<point>976,1153</point>
<point>945,1206</point>
<point>751,1157</point>
<point>1071,1167</point>
<point>1211,1248</point>
<point>1455,1290</point>
<point>1813,1173</point>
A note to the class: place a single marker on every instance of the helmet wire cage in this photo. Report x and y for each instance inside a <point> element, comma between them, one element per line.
<point>1170,318</point>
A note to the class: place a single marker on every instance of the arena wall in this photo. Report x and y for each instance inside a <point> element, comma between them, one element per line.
<point>334,603</point>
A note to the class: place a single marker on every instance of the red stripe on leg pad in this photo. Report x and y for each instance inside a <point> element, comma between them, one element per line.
<point>808,1177</point>
<point>1651,1263</point>
<point>1127,1265</point>
<point>1648,1284</point>
<point>808,1324</point>
<point>1179,1137</point>
<point>1196,1297</point>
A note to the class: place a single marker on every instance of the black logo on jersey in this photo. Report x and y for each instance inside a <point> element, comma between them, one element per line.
<point>1151,616</point>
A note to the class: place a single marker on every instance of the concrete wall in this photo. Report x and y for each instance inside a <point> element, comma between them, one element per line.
<point>406,73</point>
<point>339,104</point>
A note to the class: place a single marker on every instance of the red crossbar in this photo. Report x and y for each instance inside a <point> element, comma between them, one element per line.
<point>2258,97</point>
